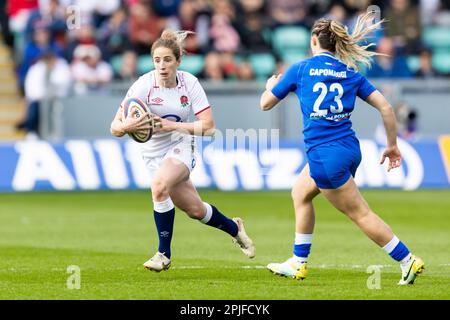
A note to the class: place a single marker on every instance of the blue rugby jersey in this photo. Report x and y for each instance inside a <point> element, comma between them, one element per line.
<point>327,90</point>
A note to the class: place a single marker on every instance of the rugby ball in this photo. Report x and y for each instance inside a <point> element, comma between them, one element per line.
<point>135,108</point>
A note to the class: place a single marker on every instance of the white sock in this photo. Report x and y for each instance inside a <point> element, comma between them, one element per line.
<point>208,213</point>
<point>391,245</point>
<point>163,206</point>
<point>303,238</point>
<point>299,260</point>
<point>406,260</point>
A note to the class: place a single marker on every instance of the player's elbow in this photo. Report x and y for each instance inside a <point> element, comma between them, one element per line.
<point>209,129</point>
<point>265,104</point>
<point>267,101</point>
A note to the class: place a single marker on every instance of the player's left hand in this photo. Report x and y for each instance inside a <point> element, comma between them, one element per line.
<point>163,125</point>
<point>395,158</point>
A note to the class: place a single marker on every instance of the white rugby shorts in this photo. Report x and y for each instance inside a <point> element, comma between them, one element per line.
<point>185,151</point>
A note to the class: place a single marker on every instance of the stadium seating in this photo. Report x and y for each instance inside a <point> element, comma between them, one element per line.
<point>263,64</point>
<point>116,63</point>
<point>413,63</point>
<point>192,63</point>
<point>291,57</point>
<point>144,64</point>
<point>437,38</point>
<point>441,62</point>
<point>290,38</point>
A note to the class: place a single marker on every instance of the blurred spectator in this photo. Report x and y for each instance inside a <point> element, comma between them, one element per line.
<point>252,23</point>
<point>144,27</point>
<point>190,17</point>
<point>337,13</point>
<point>389,64</point>
<point>426,69</point>
<point>48,78</point>
<point>355,6</point>
<point>18,13</point>
<point>7,36</point>
<point>287,12</point>
<point>428,10</point>
<point>97,11</point>
<point>403,24</point>
<point>88,70</point>
<point>53,13</point>
<point>245,71</point>
<point>85,35</point>
<point>128,69</point>
<point>113,33</point>
<point>213,67</point>
<point>229,66</point>
<point>166,8</point>
<point>406,121</point>
<point>39,43</point>
<point>318,8</point>
<point>223,35</point>
<point>442,17</point>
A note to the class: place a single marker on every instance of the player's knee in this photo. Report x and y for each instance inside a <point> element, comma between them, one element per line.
<point>196,211</point>
<point>160,190</point>
<point>299,196</point>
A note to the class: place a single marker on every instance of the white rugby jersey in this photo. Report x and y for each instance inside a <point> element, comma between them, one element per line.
<point>173,104</point>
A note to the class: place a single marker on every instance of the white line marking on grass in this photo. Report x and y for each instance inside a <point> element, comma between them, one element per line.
<point>319,266</point>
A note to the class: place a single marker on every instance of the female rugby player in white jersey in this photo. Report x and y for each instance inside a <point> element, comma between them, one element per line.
<point>170,154</point>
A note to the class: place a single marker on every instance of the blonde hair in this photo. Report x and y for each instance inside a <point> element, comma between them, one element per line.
<point>334,36</point>
<point>173,40</point>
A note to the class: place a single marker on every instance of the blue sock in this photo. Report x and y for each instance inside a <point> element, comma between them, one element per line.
<point>396,249</point>
<point>216,219</point>
<point>164,214</point>
<point>302,250</point>
<point>302,246</point>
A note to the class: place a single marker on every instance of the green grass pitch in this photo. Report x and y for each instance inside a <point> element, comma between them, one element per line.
<point>110,234</point>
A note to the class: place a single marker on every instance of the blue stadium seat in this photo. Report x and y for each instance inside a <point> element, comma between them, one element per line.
<point>290,57</point>
<point>116,63</point>
<point>413,63</point>
<point>192,63</point>
<point>144,64</point>
<point>437,38</point>
<point>441,62</point>
<point>263,64</point>
<point>291,38</point>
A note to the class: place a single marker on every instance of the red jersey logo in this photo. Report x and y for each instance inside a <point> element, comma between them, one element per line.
<point>157,101</point>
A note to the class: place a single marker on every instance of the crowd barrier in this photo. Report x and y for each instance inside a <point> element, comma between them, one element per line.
<point>116,164</point>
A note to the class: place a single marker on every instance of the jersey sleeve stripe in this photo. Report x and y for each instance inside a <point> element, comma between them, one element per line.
<point>203,110</point>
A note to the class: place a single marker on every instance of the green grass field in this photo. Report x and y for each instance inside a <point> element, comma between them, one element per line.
<point>110,234</point>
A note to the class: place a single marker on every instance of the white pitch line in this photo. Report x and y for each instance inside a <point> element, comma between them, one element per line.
<point>320,266</point>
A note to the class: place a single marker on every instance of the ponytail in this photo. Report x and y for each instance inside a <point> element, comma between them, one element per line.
<point>334,36</point>
<point>173,40</point>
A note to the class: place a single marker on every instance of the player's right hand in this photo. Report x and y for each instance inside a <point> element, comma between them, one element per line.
<point>395,158</point>
<point>132,124</point>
